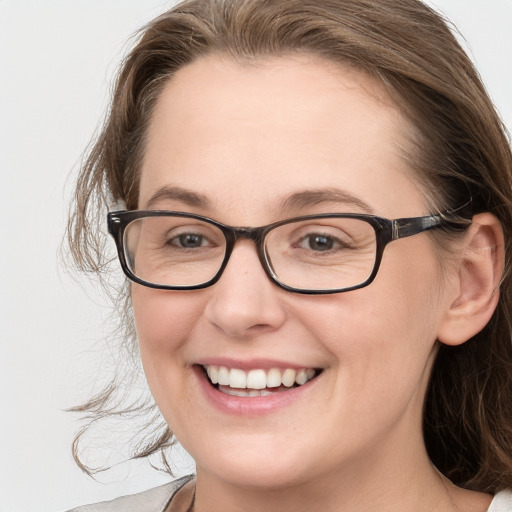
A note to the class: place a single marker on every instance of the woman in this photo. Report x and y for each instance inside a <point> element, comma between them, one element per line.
<point>265,154</point>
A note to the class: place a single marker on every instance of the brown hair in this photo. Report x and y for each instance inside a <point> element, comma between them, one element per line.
<point>459,150</point>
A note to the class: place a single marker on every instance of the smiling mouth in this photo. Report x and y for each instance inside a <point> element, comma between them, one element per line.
<point>257,382</point>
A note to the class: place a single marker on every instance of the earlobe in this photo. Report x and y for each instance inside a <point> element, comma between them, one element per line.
<point>480,270</point>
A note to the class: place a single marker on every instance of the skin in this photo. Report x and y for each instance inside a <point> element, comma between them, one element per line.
<point>246,137</point>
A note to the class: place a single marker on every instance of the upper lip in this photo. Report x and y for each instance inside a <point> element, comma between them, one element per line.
<point>252,364</point>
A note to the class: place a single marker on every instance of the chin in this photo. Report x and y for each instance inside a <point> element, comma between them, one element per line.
<point>265,466</point>
<point>268,476</point>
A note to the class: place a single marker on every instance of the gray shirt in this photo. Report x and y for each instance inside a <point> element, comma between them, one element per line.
<point>158,499</point>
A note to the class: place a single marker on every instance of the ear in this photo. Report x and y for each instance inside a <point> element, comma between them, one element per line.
<point>476,292</point>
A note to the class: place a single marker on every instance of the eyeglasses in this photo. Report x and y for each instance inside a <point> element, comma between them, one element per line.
<point>312,254</point>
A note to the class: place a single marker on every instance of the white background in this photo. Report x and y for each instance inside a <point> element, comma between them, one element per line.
<point>57,58</point>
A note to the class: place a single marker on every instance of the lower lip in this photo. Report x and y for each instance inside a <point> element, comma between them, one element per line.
<point>250,406</point>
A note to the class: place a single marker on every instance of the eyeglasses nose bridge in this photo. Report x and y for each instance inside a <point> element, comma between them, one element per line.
<point>257,236</point>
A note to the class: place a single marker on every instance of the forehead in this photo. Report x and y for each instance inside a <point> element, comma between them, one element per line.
<point>271,128</point>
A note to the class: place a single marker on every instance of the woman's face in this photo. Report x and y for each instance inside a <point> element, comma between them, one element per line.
<point>235,142</point>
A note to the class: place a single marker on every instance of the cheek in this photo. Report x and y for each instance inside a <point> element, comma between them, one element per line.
<point>164,321</point>
<point>163,318</point>
<point>383,337</point>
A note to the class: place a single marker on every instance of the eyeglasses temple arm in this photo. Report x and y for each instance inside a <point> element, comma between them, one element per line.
<point>401,228</point>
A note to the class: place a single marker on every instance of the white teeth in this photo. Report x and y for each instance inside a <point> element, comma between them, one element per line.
<point>223,376</point>
<point>257,380</point>
<point>301,377</point>
<point>273,378</point>
<point>237,378</point>
<point>244,392</point>
<point>288,377</point>
<point>213,373</point>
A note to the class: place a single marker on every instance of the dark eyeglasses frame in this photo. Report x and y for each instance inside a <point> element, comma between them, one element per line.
<point>386,231</point>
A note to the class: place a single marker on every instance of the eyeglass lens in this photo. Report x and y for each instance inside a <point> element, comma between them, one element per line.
<point>316,254</point>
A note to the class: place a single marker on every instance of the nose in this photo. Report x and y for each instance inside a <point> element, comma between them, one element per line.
<point>244,302</point>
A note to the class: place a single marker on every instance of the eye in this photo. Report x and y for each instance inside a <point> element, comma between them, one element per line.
<point>319,242</point>
<point>189,241</point>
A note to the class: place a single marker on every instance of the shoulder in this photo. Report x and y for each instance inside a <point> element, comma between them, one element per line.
<point>502,502</point>
<point>152,500</point>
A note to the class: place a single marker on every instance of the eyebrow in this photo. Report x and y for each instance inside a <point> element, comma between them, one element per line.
<point>182,195</point>
<point>296,201</point>
<point>308,198</point>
